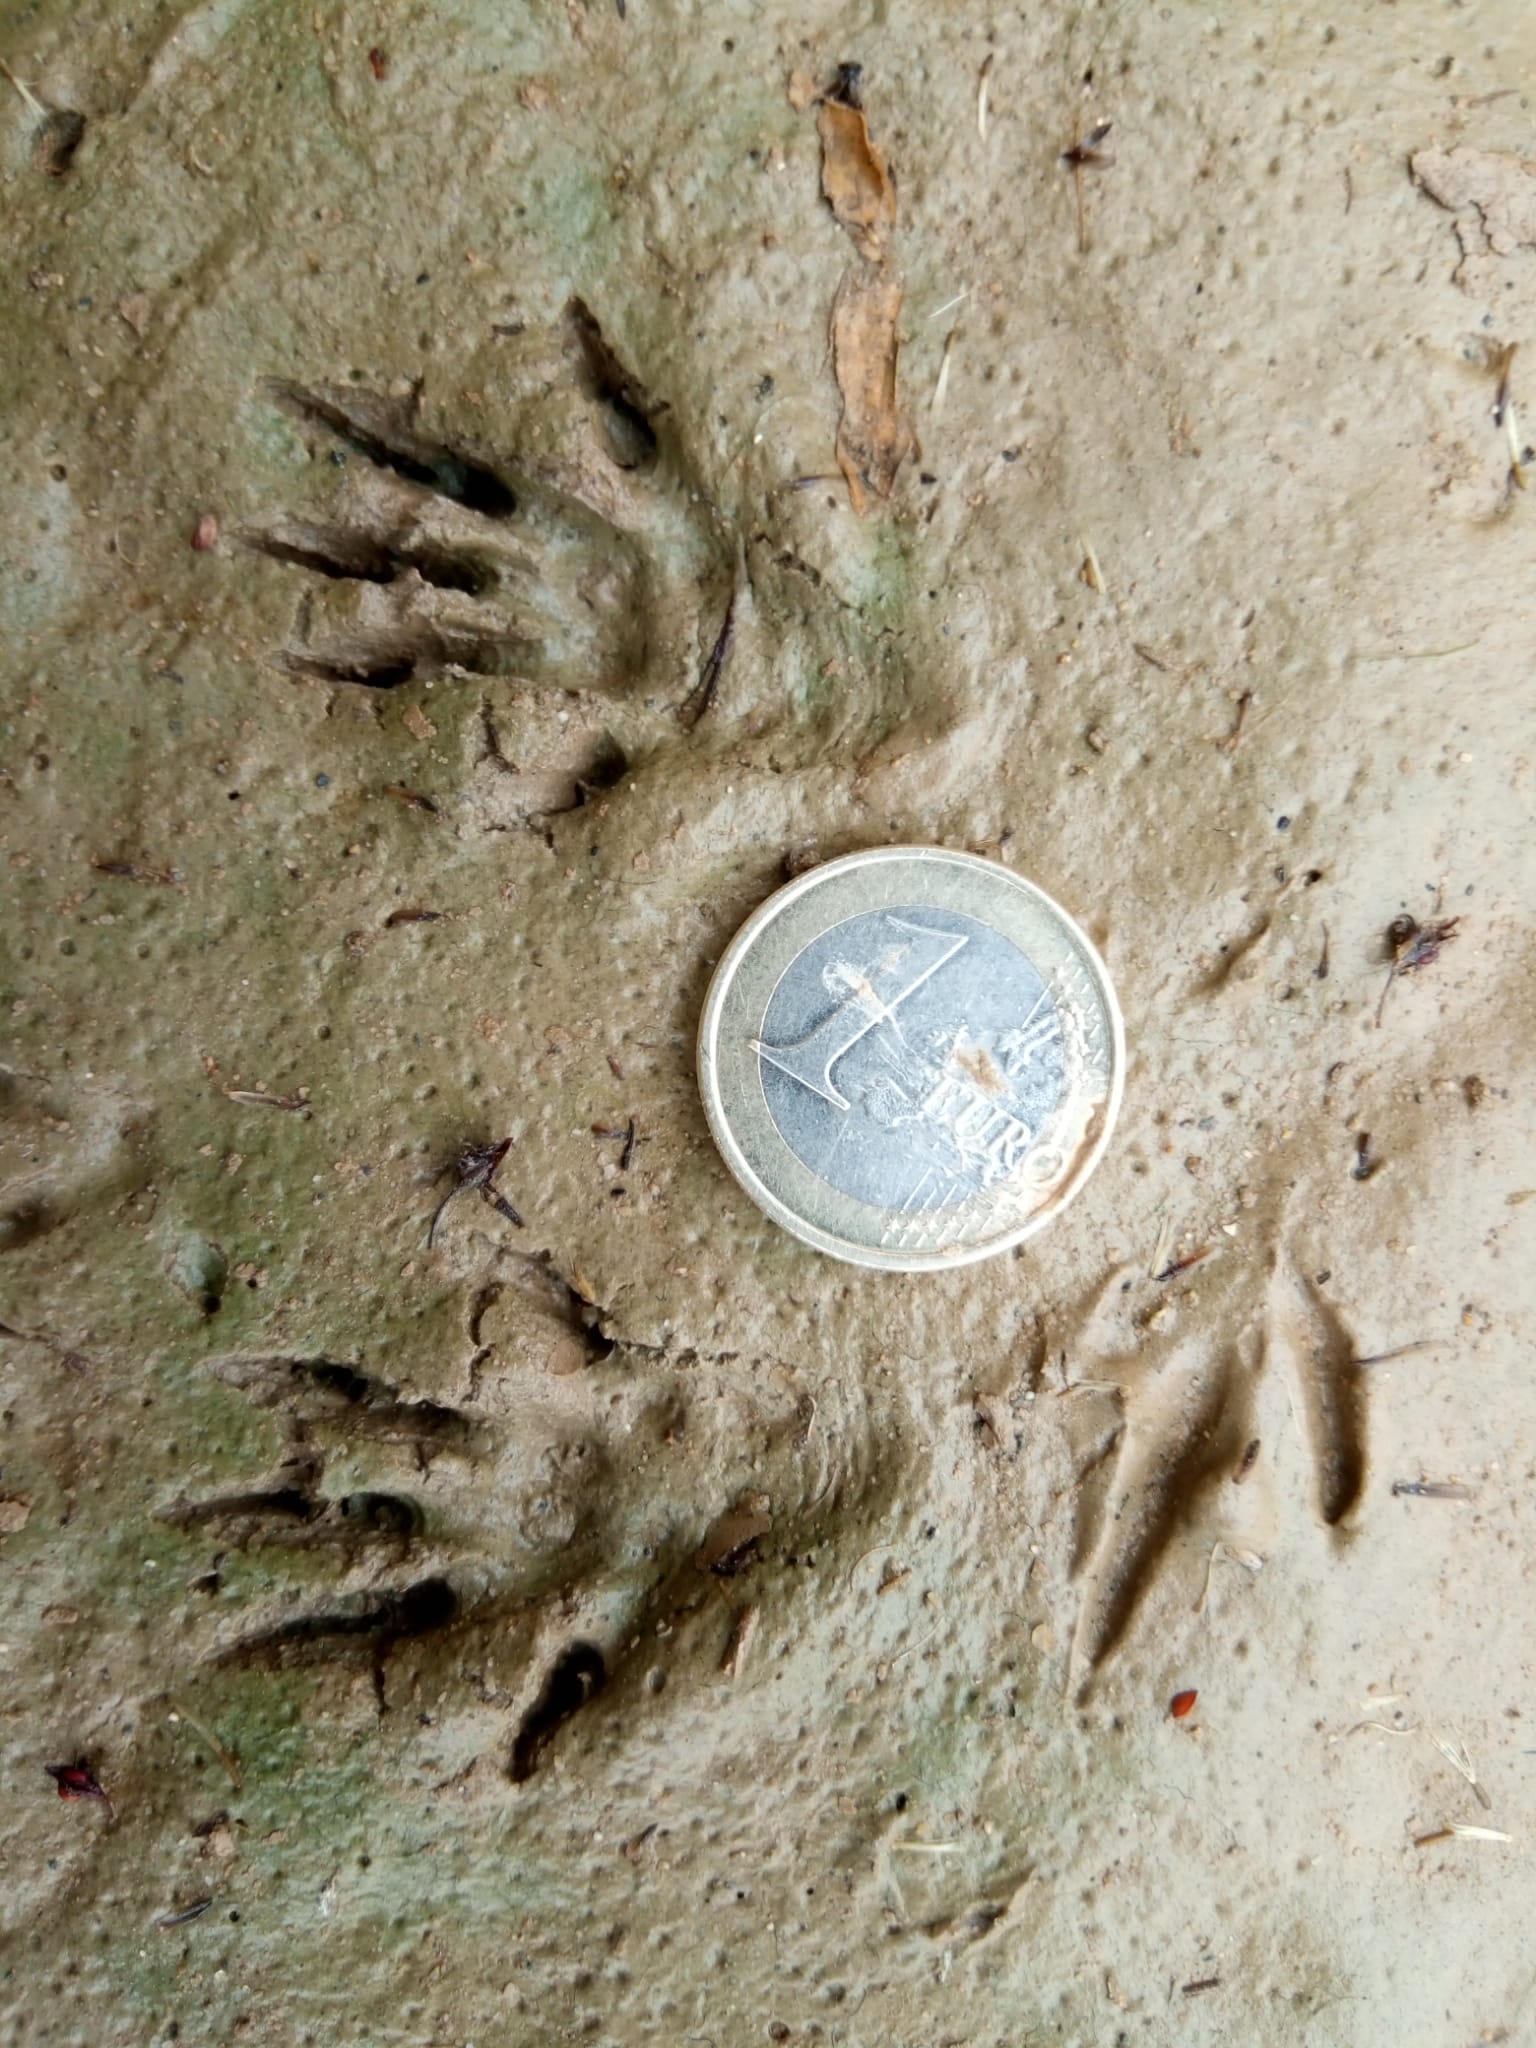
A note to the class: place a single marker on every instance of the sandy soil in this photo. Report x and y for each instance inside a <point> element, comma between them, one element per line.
<point>625,1625</point>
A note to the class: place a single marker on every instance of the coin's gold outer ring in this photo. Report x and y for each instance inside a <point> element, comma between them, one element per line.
<point>935,877</point>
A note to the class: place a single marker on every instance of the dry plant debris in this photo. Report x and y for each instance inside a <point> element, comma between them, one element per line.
<point>854,176</point>
<point>873,438</point>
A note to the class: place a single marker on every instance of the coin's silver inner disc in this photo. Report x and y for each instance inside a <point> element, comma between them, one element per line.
<point>911,1058</point>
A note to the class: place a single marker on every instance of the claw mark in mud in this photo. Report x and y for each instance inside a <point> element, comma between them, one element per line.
<point>290,1511</point>
<point>315,1387</point>
<point>293,1517</point>
<point>1179,1439</point>
<point>1329,1389</point>
<point>978,1919</point>
<point>75,1361</point>
<point>80,1144</point>
<point>378,671</point>
<point>605,379</point>
<point>379,1621</point>
<point>58,141</point>
<point>1095,1472</point>
<point>565,756</point>
<point>338,552</point>
<point>1237,959</point>
<point>380,429</point>
<point>230,1512</point>
<point>574,1678</point>
<point>388,638</point>
<point>31,1217</point>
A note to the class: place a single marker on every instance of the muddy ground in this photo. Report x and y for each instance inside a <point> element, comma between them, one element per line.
<point>624,1624</point>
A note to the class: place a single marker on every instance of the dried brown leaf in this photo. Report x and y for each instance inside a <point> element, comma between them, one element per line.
<point>854,177</point>
<point>874,437</point>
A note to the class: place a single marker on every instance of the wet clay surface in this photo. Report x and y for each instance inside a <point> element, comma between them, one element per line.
<point>489,494</point>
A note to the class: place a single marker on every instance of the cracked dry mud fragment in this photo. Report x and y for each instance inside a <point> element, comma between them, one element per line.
<point>1493,196</point>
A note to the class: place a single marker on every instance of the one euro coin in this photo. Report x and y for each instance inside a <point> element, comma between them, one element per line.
<point>911,1058</point>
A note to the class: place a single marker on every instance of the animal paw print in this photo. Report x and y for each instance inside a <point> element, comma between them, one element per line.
<point>388,1519</point>
<point>536,530</point>
<point>513,1525</point>
<point>1164,1421</point>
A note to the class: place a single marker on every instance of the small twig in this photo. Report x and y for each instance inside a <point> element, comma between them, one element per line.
<point>702,695</point>
<point>1178,1266</point>
<point>258,1098</point>
<point>1250,1561</point>
<point>1229,743</point>
<point>1504,416</point>
<point>1083,153</point>
<point>170,1920</point>
<point>135,871</point>
<point>1456,1756</point>
<point>1151,657</point>
<point>1432,1489</point>
<point>1501,391</point>
<point>232,1768</point>
<point>411,797</point>
<point>1414,945</point>
<point>913,1648</point>
<point>1399,1351</point>
<point>477,1168</point>
<point>625,1135</point>
<point>941,385</point>
<point>873,1551</point>
<point>33,103</point>
<point>1423,653</point>
<point>1162,1248</point>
